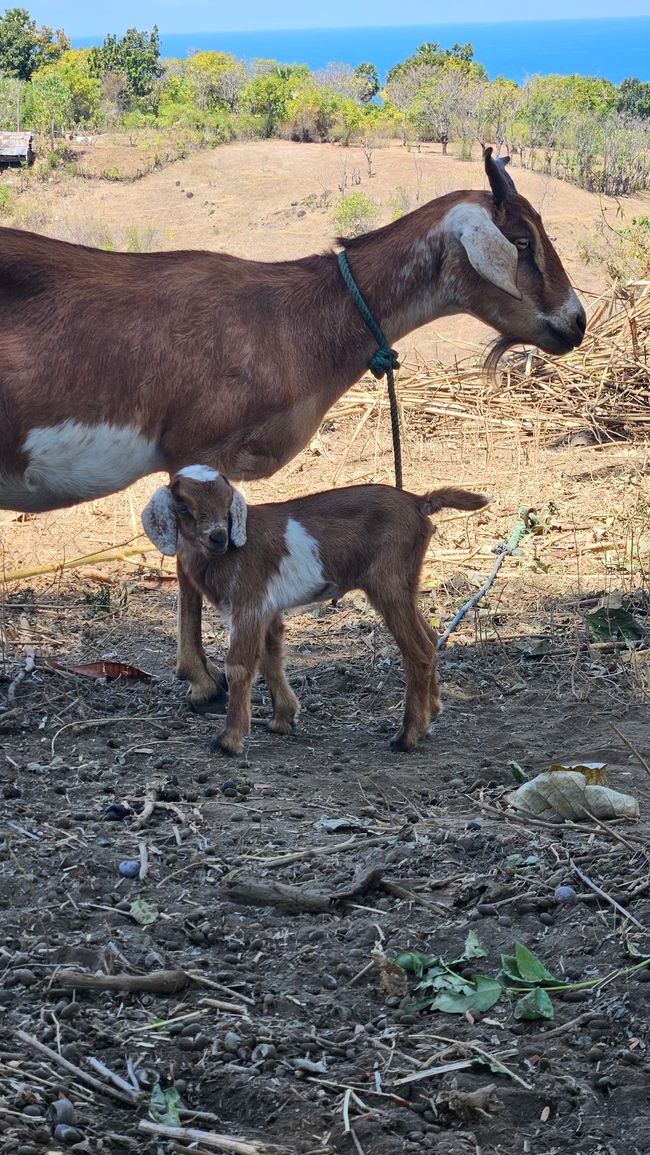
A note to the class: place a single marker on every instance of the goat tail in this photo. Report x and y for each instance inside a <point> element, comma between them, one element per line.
<point>451,498</point>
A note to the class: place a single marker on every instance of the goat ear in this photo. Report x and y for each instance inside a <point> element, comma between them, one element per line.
<point>492,255</point>
<point>238,517</point>
<point>159,521</point>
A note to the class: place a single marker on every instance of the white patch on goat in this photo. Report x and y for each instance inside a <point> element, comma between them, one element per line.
<point>72,462</point>
<point>300,578</point>
<point>199,473</point>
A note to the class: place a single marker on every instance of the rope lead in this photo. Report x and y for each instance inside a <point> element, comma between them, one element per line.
<point>382,363</point>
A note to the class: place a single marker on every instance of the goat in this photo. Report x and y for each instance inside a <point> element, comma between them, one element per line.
<point>252,563</point>
<point>116,365</point>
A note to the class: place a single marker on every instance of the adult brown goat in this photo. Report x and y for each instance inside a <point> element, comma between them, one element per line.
<point>254,562</point>
<point>115,365</point>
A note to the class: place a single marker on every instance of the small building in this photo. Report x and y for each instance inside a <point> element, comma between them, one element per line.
<point>16,148</point>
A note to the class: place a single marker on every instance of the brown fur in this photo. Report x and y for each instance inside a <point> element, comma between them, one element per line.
<point>369,537</point>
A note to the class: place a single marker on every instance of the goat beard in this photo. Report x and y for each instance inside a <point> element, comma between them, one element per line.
<point>494,354</point>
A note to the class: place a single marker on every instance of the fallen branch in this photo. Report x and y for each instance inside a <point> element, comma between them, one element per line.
<point>403,833</point>
<point>157,983</point>
<point>82,1076</point>
<point>20,575</point>
<point>603,894</point>
<point>252,892</point>
<point>208,1138</point>
<point>152,791</point>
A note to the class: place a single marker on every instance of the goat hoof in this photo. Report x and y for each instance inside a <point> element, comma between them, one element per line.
<point>224,745</point>
<point>207,705</point>
<point>399,745</point>
<point>282,727</point>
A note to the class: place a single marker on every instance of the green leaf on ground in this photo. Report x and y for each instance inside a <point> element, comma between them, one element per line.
<point>143,912</point>
<point>535,1005</point>
<point>485,993</point>
<point>529,966</point>
<point>162,1105</point>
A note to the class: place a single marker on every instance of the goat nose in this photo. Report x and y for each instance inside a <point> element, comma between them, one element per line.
<point>219,538</point>
<point>581,321</point>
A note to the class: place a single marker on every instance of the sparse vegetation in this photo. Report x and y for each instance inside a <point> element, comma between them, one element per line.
<point>354,214</point>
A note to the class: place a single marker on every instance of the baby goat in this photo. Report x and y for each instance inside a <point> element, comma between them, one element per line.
<point>368,537</point>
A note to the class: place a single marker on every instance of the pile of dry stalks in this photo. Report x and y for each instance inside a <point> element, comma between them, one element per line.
<point>602,387</point>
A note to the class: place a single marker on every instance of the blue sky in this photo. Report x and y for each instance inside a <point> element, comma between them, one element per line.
<point>78,17</point>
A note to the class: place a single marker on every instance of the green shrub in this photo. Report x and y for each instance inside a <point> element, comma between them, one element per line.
<point>6,201</point>
<point>354,214</point>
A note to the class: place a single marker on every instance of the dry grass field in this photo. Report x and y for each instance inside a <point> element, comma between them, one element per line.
<point>286,1031</point>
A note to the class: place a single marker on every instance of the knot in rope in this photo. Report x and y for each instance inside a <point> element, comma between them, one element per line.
<point>383,361</point>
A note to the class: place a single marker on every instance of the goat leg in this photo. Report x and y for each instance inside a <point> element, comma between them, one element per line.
<point>207,684</point>
<point>285,703</point>
<point>402,617</point>
<point>241,666</point>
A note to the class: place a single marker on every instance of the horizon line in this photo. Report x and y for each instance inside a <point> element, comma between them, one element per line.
<point>369,27</point>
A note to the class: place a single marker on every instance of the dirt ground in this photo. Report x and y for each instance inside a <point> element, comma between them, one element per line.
<point>286,1030</point>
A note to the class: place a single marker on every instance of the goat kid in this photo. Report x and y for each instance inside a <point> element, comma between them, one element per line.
<point>254,562</point>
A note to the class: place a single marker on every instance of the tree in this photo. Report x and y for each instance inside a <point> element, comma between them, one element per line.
<point>11,102</point>
<point>268,93</point>
<point>48,105</point>
<point>25,47</point>
<point>136,57</point>
<point>72,69</point>
<point>369,82</point>
<point>216,78</point>
<point>633,97</point>
<point>431,55</point>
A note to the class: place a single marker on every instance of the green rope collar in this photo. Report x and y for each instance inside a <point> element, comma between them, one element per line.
<point>383,362</point>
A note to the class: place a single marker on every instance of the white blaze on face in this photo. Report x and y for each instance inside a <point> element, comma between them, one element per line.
<point>300,577</point>
<point>72,462</point>
<point>199,473</point>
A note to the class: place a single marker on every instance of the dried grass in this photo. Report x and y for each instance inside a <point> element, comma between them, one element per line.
<point>603,386</point>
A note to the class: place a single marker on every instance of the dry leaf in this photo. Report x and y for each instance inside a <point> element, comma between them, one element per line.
<point>392,979</point>
<point>595,773</point>
<point>103,670</point>
<point>556,796</point>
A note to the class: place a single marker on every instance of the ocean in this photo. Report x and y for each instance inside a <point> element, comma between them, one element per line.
<point>613,48</point>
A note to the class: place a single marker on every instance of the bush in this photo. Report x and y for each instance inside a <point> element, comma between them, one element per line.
<point>354,214</point>
<point>6,201</point>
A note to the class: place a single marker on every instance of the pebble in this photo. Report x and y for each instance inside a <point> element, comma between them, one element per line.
<point>67,1135</point>
<point>190,1043</point>
<point>546,918</point>
<point>25,977</point>
<point>565,894</point>
<point>11,791</point>
<point>231,1041</point>
<point>33,1111</point>
<point>27,1149</point>
<point>130,868</point>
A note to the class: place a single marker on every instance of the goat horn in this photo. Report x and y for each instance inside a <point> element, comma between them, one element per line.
<point>501,182</point>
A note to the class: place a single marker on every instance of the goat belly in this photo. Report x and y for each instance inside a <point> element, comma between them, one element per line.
<point>300,578</point>
<point>72,462</point>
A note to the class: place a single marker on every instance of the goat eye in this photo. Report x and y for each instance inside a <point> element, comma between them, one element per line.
<point>522,243</point>
<point>183,510</point>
